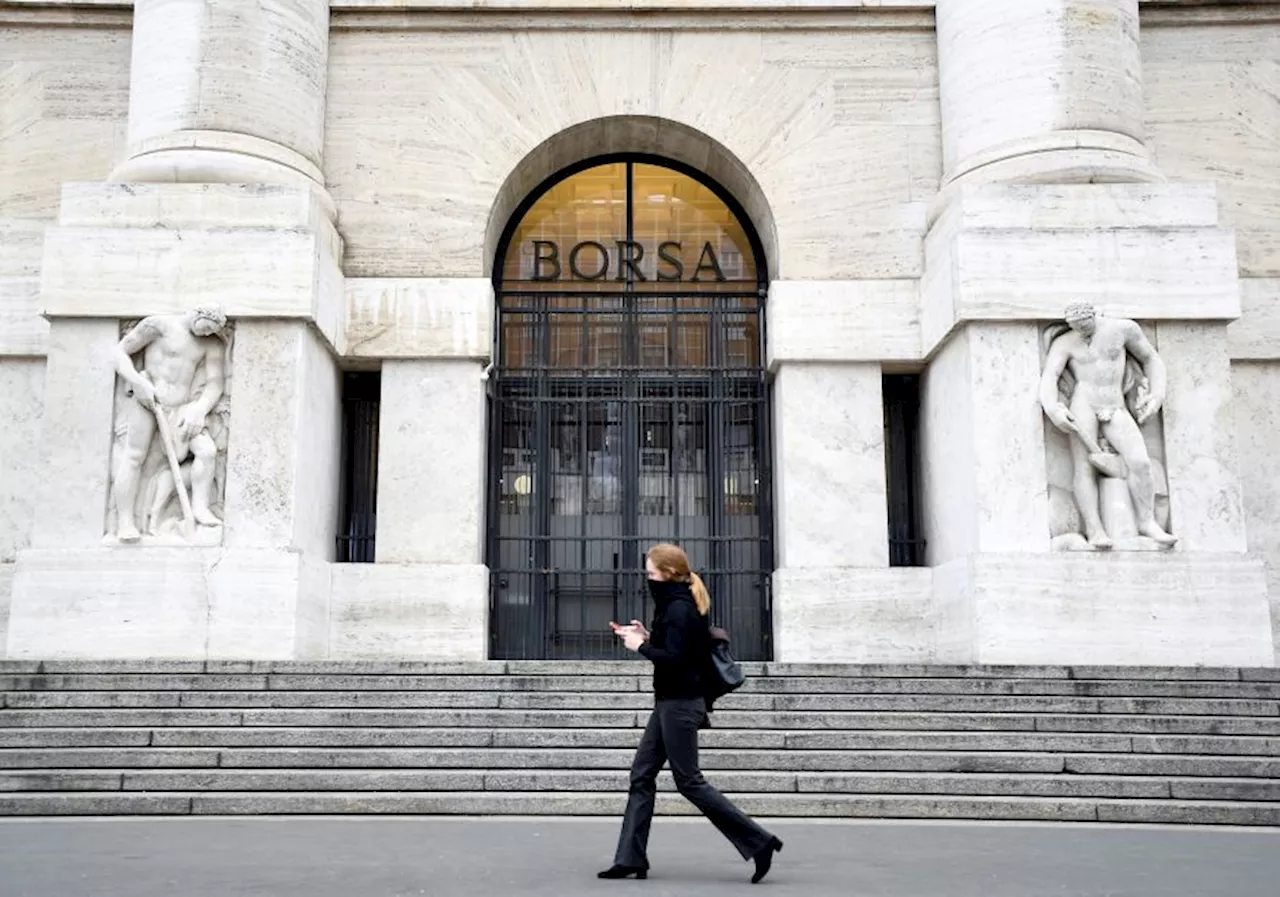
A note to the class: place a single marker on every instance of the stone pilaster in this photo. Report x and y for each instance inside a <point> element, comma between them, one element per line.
<point>1049,197</point>
<point>427,595</point>
<point>219,202</point>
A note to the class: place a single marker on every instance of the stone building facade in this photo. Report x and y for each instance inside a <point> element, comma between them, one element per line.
<point>398,328</point>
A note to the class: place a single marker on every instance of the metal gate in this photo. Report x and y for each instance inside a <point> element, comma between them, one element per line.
<point>625,413</point>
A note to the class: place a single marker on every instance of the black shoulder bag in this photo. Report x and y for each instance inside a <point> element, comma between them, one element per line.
<point>722,672</point>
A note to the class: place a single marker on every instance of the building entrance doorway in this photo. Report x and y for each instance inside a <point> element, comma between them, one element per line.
<point>629,405</point>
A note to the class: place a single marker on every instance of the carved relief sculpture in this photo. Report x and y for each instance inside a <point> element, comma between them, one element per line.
<point>169,456</point>
<point>1102,382</point>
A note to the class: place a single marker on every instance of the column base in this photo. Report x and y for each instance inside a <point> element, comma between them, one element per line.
<point>1116,608</point>
<point>863,615</point>
<point>6,592</point>
<point>134,602</point>
<point>220,157</point>
<point>1112,609</point>
<point>410,612</point>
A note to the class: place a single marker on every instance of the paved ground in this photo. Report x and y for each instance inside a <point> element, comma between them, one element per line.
<point>390,857</point>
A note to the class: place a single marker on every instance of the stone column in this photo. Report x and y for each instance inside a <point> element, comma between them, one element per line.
<point>220,202</point>
<point>1041,92</point>
<point>227,92</point>
<point>1049,197</point>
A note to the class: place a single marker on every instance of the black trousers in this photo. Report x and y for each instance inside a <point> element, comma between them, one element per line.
<point>672,734</point>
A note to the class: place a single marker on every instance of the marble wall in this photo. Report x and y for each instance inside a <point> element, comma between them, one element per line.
<point>1256,385</point>
<point>418,611</point>
<point>6,597</point>
<point>64,95</point>
<point>21,410</point>
<point>829,120</point>
<point>71,491</point>
<point>431,454</point>
<point>23,331</point>
<point>282,463</point>
<point>830,496</point>
<point>1184,608</point>
<point>982,452</point>
<point>1212,115</point>
<point>136,602</point>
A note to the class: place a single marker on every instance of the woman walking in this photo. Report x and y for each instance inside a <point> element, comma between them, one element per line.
<point>678,645</point>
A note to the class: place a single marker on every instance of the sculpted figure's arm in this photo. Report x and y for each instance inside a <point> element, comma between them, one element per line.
<point>193,415</point>
<point>144,334</point>
<point>1153,366</point>
<point>1054,365</point>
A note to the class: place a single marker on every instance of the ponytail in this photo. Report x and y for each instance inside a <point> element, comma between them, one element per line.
<point>701,597</point>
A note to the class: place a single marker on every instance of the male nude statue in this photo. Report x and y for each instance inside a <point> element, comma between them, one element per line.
<point>174,347</point>
<point>1094,350</point>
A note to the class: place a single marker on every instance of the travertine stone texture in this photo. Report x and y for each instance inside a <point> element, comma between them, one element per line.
<point>64,96</point>
<point>982,455</point>
<point>1013,252</point>
<point>843,320</point>
<point>1212,115</point>
<point>1256,335</point>
<point>1256,387</point>
<point>415,172</point>
<point>282,463</point>
<point>1119,608</point>
<point>409,610</point>
<point>1205,502</point>
<point>22,330</point>
<point>419,318</point>
<point>22,412</point>
<point>829,468</point>
<point>131,602</point>
<point>72,481</point>
<point>847,615</point>
<point>227,92</point>
<point>1041,91</point>
<point>6,593</point>
<point>258,251</point>
<point>431,452</point>
<point>948,453</point>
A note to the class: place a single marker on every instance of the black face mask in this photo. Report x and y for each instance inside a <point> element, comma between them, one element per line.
<point>663,589</point>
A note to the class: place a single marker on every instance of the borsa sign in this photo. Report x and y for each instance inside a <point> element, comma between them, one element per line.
<point>590,260</point>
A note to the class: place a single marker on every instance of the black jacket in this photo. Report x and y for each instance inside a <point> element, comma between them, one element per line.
<point>679,642</point>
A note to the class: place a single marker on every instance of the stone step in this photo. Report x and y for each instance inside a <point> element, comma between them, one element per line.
<point>619,759</point>
<point>638,701</point>
<point>394,736</point>
<point>731,782</point>
<point>401,730</point>
<point>594,668</point>
<point>604,804</point>
<point>639,681</point>
<point>801,722</point>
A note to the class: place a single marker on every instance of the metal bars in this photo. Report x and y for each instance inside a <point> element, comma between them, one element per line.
<point>359,490</point>
<point>901,430</point>
<point>622,414</point>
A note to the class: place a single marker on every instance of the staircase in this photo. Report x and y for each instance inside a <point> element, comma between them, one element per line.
<point>1193,745</point>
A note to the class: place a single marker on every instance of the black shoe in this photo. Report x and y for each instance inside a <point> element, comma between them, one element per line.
<point>764,859</point>
<point>616,871</point>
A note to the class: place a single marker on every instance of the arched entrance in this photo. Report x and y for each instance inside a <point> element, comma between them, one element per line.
<point>629,404</point>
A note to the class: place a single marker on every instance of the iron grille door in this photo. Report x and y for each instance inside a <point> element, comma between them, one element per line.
<point>623,414</point>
